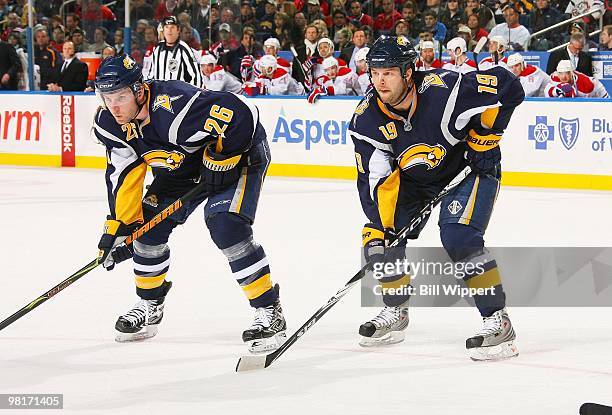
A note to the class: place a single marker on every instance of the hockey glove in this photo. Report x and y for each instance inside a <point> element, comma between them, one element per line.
<point>375,240</point>
<point>564,90</point>
<point>115,232</point>
<point>483,162</point>
<point>246,68</point>
<point>315,94</point>
<point>219,171</point>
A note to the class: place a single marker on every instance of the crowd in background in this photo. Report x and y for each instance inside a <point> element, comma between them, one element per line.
<point>230,31</point>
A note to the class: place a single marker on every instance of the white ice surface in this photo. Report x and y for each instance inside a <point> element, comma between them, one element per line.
<point>51,220</point>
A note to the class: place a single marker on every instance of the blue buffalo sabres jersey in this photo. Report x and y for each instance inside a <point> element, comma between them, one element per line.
<point>424,147</point>
<point>182,120</point>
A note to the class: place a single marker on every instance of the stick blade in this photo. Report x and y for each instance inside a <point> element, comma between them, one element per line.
<point>255,362</point>
<point>480,44</point>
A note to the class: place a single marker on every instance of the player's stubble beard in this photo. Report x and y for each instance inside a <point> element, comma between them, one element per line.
<point>408,85</point>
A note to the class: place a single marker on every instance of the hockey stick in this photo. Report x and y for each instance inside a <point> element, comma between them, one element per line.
<point>595,409</point>
<point>253,362</point>
<point>156,220</point>
<point>297,60</point>
<point>477,49</point>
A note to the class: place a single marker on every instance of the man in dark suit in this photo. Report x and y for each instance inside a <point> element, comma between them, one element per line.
<point>581,61</point>
<point>73,73</point>
<point>10,66</point>
<point>360,40</point>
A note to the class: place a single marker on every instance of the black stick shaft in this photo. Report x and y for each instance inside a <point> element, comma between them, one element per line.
<point>196,191</point>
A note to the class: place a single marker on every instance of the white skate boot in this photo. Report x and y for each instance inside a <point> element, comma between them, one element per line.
<point>495,341</point>
<point>386,328</point>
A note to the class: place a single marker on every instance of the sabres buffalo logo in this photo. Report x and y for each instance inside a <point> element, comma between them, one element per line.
<point>433,80</point>
<point>422,154</point>
<point>165,101</point>
<point>170,160</point>
<point>128,62</point>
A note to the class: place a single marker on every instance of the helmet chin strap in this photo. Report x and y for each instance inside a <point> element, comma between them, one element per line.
<point>408,89</point>
<point>139,105</point>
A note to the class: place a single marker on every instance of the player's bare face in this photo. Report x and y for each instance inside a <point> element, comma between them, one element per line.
<point>332,72</point>
<point>122,104</point>
<point>207,69</point>
<point>324,50</point>
<point>270,50</point>
<point>517,69</point>
<point>389,84</point>
<point>566,77</point>
<point>427,55</point>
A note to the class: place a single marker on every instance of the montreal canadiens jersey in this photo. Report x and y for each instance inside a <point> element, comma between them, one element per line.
<point>425,146</point>
<point>182,120</point>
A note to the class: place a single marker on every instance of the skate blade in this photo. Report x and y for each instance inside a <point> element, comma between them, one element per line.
<point>267,344</point>
<point>392,337</point>
<point>147,333</point>
<point>492,353</point>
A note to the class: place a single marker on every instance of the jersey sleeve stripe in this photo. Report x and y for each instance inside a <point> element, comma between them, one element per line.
<point>176,123</point>
<point>377,144</point>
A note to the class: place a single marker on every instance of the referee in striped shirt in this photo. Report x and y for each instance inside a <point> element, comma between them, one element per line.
<point>173,59</point>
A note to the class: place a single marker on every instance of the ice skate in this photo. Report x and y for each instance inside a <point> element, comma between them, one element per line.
<point>268,330</point>
<point>386,328</point>
<point>495,341</point>
<point>142,320</point>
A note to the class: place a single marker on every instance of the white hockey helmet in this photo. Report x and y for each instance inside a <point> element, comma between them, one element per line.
<point>501,41</point>
<point>565,66</point>
<point>326,40</point>
<point>515,59</point>
<point>361,54</point>
<point>267,65</point>
<point>207,59</point>
<point>329,63</point>
<point>426,44</point>
<point>272,41</point>
<point>457,42</point>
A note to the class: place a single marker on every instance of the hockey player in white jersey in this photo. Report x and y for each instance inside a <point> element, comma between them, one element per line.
<point>533,79</point>
<point>457,49</point>
<point>497,49</point>
<point>271,47</point>
<point>273,80</point>
<point>325,47</point>
<point>215,78</point>
<point>337,80</point>
<point>569,83</point>
<point>362,70</point>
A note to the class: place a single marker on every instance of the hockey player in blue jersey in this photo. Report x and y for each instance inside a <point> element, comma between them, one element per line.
<point>413,133</point>
<point>185,135</point>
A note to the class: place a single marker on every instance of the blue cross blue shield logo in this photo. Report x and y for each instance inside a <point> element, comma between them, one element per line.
<point>541,132</point>
<point>568,131</point>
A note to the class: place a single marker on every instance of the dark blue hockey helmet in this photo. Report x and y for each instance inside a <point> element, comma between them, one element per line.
<point>391,52</point>
<point>118,72</point>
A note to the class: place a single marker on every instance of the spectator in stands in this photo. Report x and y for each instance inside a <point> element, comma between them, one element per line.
<point>95,14</point>
<point>300,23</point>
<point>185,20</point>
<point>343,38</point>
<point>141,10</point>
<point>99,40</point>
<point>12,22</point>
<point>138,31</point>
<point>541,17</point>
<point>199,13</point>
<point>426,36</point>
<point>466,33</point>
<point>59,36</point>
<point>247,14</point>
<point>73,22</point>
<point>162,10</point>
<point>533,79</point>
<point>360,41</point>
<point>474,24</point>
<point>401,28</point>
<point>320,24</point>
<point>580,60</point>
<point>451,17</point>
<point>226,42</point>
<point>118,39</point>
<point>339,22</point>
<point>284,30</point>
<point>313,11</point>
<point>579,27</point>
<point>80,43</point>
<point>46,58</point>
<point>486,20</point>
<point>72,75</point>
<point>358,14</point>
<point>516,35</point>
<point>385,21</point>
<point>605,38</point>
<point>247,47</point>
<point>4,9</point>
<point>227,16</point>
<point>373,7</point>
<point>266,22</point>
<point>311,39</point>
<point>433,25</point>
<point>187,37</point>
<point>427,59</point>
<point>10,67</point>
<point>410,16</point>
<point>567,82</point>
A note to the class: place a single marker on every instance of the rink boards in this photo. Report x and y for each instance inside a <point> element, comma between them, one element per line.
<point>549,143</point>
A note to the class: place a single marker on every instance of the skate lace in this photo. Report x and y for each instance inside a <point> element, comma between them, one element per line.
<point>263,317</point>
<point>387,317</point>
<point>491,324</point>
<point>138,314</point>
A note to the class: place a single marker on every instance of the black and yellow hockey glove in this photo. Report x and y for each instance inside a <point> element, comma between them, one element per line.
<point>111,249</point>
<point>219,171</point>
